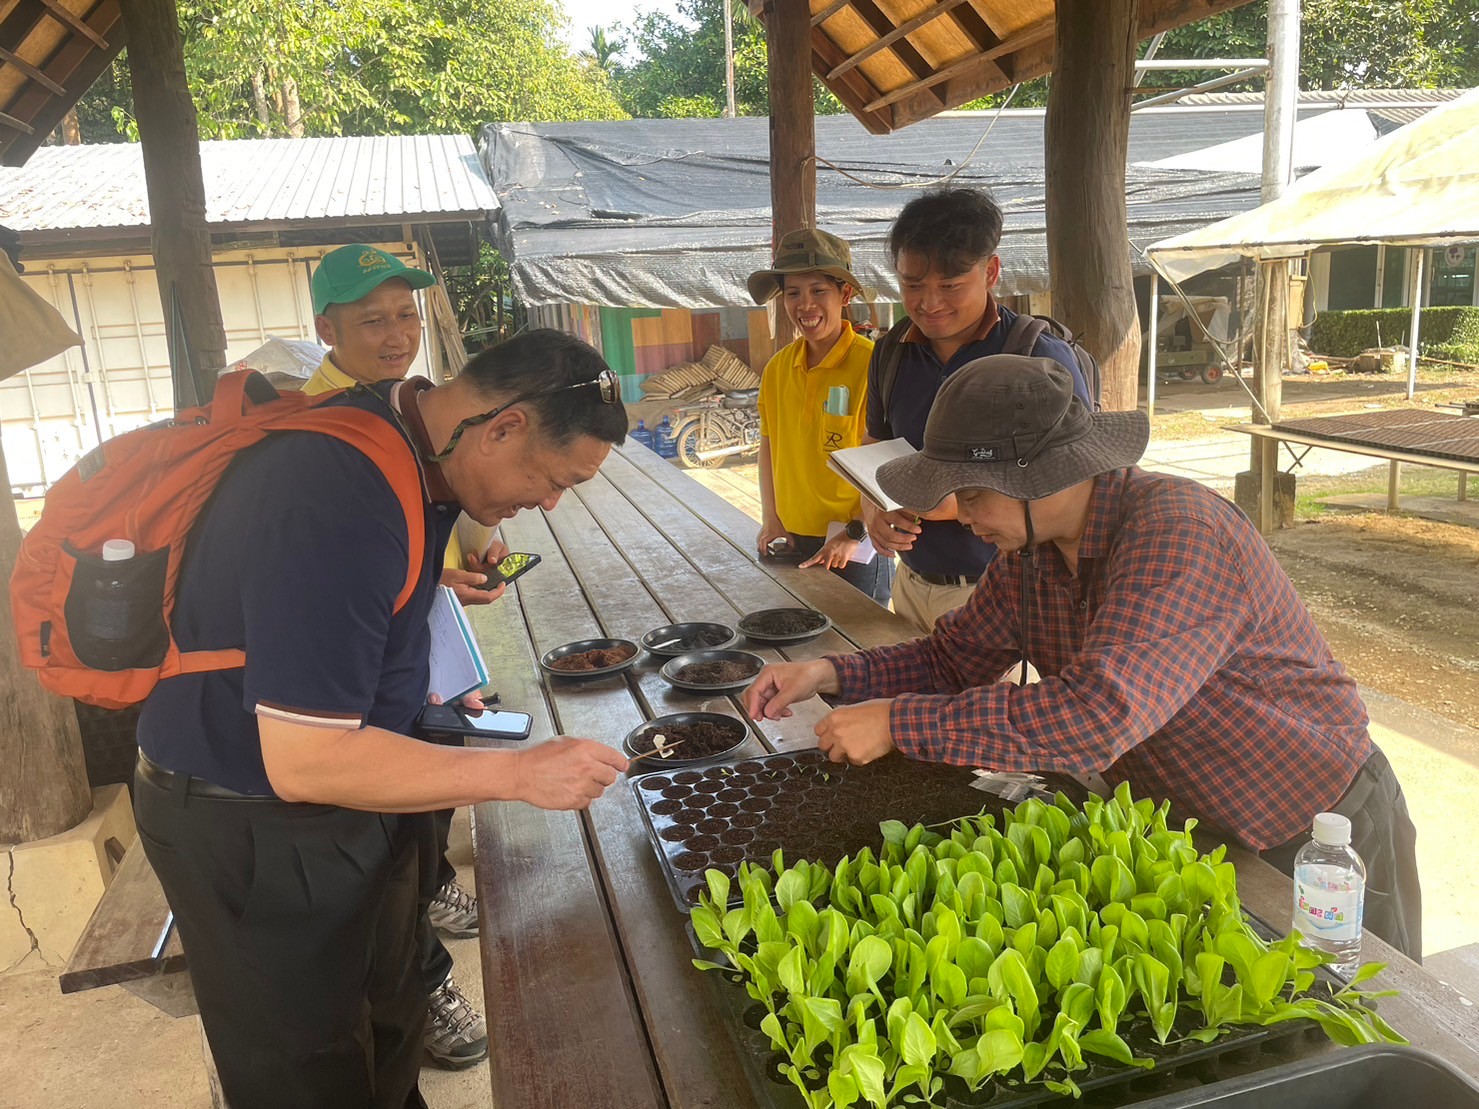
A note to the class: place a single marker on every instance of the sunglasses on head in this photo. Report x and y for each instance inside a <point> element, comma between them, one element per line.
<point>606,381</point>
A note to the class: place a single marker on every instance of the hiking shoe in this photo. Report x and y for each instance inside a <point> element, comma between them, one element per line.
<point>456,1035</point>
<point>454,912</point>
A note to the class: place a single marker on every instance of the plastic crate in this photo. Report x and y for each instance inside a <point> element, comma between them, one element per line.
<point>1379,1077</point>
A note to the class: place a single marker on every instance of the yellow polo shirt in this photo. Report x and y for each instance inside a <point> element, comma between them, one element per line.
<point>329,377</point>
<point>794,416</point>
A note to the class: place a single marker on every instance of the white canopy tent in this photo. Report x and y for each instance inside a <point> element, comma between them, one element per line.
<point>1417,187</point>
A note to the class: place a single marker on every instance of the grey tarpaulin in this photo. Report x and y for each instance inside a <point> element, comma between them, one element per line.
<point>676,212</point>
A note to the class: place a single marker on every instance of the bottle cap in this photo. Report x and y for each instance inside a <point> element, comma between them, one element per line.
<point>117,550</point>
<point>1331,828</point>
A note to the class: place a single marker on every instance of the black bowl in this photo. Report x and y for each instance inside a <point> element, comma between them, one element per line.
<point>685,633</point>
<point>677,758</point>
<point>670,670</point>
<point>820,620</point>
<point>588,645</point>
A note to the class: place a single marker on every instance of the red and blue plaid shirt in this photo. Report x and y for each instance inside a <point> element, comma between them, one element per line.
<point>1179,658</point>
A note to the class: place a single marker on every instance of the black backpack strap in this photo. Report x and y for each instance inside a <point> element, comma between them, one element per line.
<point>889,354</point>
<point>1026,330</point>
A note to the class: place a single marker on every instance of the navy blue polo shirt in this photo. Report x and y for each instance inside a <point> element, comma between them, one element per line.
<point>298,558</point>
<point>943,546</point>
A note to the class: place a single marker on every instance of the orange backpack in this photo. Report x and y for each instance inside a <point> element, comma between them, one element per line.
<point>149,486</point>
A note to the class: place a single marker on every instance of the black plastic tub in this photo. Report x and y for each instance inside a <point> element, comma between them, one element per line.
<point>1372,1077</point>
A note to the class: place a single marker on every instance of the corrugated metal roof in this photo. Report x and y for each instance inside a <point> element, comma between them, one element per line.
<point>410,178</point>
<point>1335,98</point>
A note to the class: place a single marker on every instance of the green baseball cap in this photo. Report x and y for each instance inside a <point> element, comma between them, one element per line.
<point>345,275</point>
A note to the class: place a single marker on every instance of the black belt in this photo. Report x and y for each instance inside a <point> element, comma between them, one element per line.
<point>942,579</point>
<point>156,775</point>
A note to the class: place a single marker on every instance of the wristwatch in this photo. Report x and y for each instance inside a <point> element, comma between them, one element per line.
<point>856,531</point>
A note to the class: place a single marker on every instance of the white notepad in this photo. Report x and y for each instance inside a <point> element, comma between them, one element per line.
<point>858,466</point>
<point>457,665</point>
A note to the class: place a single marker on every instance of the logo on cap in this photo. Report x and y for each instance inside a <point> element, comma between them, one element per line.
<point>373,260</point>
<point>983,454</point>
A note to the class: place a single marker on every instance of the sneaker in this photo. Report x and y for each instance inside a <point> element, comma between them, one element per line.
<point>454,912</point>
<point>456,1035</point>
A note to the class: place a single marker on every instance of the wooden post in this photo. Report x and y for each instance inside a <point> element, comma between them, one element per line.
<point>1413,338</point>
<point>1087,135</point>
<point>793,168</point>
<point>171,150</point>
<point>1150,360</point>
<point>43,789</point>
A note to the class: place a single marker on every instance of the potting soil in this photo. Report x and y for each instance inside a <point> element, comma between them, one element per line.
<point>597,659</point>
<point>716,673</point>
<point>699,740</point>
<point>782,621</point>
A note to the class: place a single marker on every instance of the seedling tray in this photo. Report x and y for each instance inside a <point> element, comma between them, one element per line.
<point>722,815</point>
<point>1243,1049</point>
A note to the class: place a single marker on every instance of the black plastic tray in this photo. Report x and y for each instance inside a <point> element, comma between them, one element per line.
<point>1104,1083</point>
<point>838,810</point>
<point>1378,1076</point>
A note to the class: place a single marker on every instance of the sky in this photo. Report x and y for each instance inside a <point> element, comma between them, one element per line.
<point>585,14</point>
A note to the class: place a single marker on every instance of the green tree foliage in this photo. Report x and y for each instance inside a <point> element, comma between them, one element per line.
<point>679,64</point>
<point>1347,44</point>
<point>604,47</point>
<point>263,68</point>
<point>334,67</point>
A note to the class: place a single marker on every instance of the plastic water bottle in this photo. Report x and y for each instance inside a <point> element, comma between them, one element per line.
<point>644,435</point>
<point>1330,891</point>
<point>663,440</point>
<point>108,607</point>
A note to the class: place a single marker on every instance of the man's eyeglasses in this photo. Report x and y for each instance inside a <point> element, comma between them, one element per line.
<point>606,381</point>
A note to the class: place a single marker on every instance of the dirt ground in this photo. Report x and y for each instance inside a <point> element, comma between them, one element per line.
<point>1398,599</point>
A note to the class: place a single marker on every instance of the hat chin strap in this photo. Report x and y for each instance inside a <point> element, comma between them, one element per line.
<point>1029,553</point>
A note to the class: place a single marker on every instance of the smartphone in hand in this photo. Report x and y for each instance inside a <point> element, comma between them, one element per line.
<point>512,566</point>
<point>489,724</point>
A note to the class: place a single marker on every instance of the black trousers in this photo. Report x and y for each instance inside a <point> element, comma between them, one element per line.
<point>436,872</point>
<point>300,926</point>
<point>875,578</point>
<point>1383,835</point>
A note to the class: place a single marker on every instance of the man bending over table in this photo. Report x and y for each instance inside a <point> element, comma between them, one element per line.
<point>1174,651</point>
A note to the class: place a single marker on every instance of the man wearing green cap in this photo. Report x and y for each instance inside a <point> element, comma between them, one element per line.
<point>365,312</point>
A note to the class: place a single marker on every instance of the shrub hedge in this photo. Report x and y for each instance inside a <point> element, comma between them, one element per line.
<point>1451,333</point>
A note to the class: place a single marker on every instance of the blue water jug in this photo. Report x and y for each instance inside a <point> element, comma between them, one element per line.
<point>644,435</point>
<point>662,440</point>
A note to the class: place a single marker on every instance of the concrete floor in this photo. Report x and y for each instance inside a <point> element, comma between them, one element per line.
<point>106,1047</point>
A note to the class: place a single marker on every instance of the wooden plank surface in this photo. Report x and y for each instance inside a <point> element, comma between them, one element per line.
<point>694,1055</point>
<point>554,981</point>
<point>125,938</point>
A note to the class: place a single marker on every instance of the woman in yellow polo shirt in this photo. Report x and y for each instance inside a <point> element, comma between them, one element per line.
<point>813,402</point>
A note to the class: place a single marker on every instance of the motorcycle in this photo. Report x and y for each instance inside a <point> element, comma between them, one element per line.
<point>707,433</point>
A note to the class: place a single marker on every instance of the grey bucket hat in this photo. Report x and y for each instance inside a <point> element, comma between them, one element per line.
<point>1012,424</point>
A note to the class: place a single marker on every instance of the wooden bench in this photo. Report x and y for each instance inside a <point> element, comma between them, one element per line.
<point>131,941</point>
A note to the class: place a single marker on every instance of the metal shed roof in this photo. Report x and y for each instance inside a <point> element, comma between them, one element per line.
<point>676,212</point>
<point>256,184</point>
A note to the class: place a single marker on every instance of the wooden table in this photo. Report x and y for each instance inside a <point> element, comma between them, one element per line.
<point>1271,437</point>
<point>590,996</point>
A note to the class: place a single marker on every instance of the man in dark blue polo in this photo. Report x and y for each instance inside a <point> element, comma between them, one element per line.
<point>284,805</point>
<point>943,249</point>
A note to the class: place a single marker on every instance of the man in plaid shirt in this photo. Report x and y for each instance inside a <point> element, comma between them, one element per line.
<point>1174,651</point>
